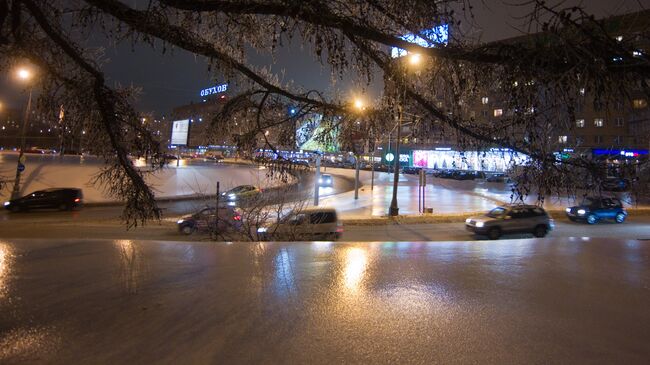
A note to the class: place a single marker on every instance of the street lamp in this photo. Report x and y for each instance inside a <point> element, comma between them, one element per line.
<point>25,75</point>
<point>414,60</point>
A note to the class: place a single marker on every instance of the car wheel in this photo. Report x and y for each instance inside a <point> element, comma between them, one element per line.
<point>540,231</point>
<point>187,230</point>
<point>592,219</point>
<point>494,233</point>
<point>620,218</point>
<point>15,209</point>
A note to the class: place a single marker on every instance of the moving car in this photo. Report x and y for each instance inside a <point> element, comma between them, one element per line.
<point>308,224</point>
<point>241,192</point>
<point>594,209</point>
<point>511,219</point>
<point>206,219</point>
<point>55,198</point>
<point>325,181</point>
<point>615,184</point>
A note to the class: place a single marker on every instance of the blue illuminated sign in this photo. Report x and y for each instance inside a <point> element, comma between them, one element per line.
<point>214,90</point>
<point>624,153</point>
<point>427,38</point>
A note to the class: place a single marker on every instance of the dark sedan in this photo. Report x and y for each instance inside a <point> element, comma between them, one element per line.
<point>56,198</point>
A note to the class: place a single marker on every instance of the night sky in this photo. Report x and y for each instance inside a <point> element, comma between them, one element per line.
<point>176,79</point>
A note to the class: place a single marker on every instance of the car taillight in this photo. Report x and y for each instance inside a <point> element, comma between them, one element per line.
<point>77,200</point>
<point>237,217</point>
<point>339,229</point>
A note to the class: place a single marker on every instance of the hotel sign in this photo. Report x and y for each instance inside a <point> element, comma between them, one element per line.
<point>222,88</point>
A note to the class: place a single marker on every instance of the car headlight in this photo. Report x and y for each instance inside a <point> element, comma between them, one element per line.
<point>232,196</point>
<point>468,220</point>
<point>479,224</point>
<point>7,203</point>
<point>568,210</point>
<point>262,230</point>
<point>180,221</point>
<point>581,211</point>
<point>320,181</point>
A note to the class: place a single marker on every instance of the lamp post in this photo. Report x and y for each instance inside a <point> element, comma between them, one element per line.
<point>413,60</point>
<point>24,75</point>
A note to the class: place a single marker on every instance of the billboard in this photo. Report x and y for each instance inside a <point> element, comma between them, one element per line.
<point>180,132</point>
<point>315,134</point>
<point>427,38</point>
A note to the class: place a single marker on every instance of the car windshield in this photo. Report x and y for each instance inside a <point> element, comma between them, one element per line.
<point>497,212</point>
<point>589,202</point>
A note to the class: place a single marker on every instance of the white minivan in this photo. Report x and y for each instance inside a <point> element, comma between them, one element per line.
<point>312,224</point>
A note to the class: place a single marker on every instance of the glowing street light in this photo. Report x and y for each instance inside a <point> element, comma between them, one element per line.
<point>358,103</point>
<point>415,59</point>
<point>25,75</point>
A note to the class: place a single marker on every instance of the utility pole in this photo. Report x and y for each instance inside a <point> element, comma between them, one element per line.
<point>20,166</point>
<point>316,178</point>
<point>394,210</point>
<point>356,178</point>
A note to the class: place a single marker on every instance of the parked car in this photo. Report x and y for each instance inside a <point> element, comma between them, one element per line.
<point>593,209</point>
<point>325,181</point>
<point>308,224</point>
<point>511,219</point>
<point>411,170</point>
<point>497,178</point>
<point>241,192</point>
<point>463,175</point>
<point>615,184</point>
<point>55,198</point>
<point>206,219</point>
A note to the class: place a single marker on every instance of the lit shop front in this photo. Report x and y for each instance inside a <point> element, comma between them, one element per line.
<point>495,159</point>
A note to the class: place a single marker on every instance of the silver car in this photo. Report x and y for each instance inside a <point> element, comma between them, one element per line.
<point>308,224</point>
<point>511,219</point>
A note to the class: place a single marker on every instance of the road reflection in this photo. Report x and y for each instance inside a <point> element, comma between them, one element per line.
<point>131,266</point>
<point>6,261</point>
<point>356,262</point>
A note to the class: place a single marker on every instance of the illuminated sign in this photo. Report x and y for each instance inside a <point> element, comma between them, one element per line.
<point>427,38</point>
<point>390,157</point>
<point>214,90</point>
<point>624,153</point>
<point>180,132</point>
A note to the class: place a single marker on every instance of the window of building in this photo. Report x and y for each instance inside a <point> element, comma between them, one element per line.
<point>498,112</point>
<point>639,103</point>
<point>562,139</point>
<point>599,122</point>
<point>580,140</point>
<point>598,139</point>
<point>582,91</point>
<point>439,104</point>
<point>619,105</point>
<point>618,140</point>
<point>485,100</point>
<point>619,38</point>
<point>580,123</point>
<point>620,121</point>
<point>472,114</point>
<point>484,113</point>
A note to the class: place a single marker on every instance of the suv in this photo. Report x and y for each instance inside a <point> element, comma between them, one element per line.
<point>594,209</point>
<point>55,198</point>
<point>205,220</point>
<point>308,224</point>
<point>511,219</point>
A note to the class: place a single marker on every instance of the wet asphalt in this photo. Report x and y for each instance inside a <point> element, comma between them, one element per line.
<point>506,302</point>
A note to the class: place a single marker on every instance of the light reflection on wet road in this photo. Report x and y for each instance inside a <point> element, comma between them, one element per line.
<point>515,301</point>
